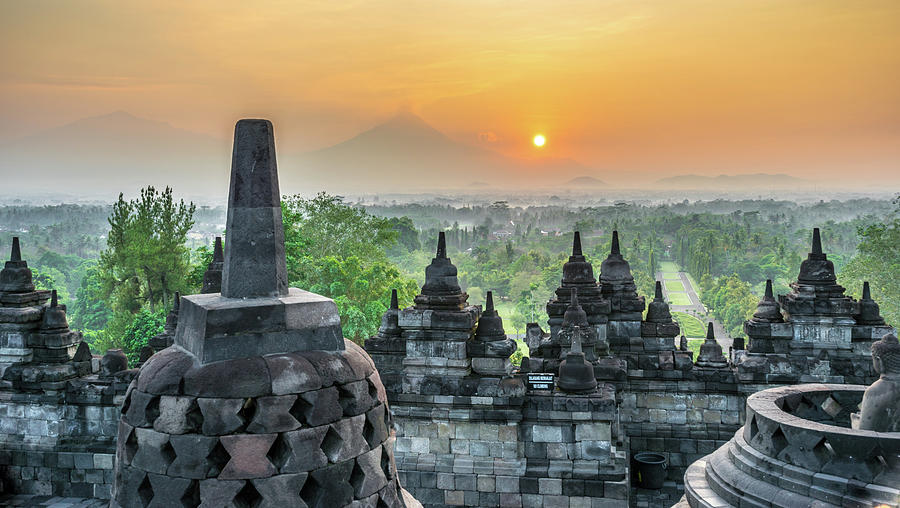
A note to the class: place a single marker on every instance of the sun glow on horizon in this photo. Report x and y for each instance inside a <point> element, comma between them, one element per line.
<point>539,140</point>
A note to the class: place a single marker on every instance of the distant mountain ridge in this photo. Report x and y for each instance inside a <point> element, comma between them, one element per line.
<point>585,181</point>
<point>116,152</point>
<point>406,153</point>
<point>756,180</point>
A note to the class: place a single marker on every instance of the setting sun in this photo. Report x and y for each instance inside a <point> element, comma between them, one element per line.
<point>539,140</point>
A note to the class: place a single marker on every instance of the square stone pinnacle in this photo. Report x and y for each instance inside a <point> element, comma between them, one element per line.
<point>254,246</point>
<point>216,328</point>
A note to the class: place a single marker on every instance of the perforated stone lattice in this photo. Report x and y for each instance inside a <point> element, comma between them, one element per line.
<point>321,440</point>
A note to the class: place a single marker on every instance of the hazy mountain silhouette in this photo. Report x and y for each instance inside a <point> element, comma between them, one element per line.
<point>585,181</point>
<point>405,153</point>
<point>119,152</point>
<point>116,152</point>
<point>732,182</point>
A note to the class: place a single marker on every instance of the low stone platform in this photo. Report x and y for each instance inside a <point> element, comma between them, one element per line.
<point>792,452</point>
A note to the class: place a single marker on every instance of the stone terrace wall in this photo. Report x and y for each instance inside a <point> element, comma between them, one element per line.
<point>61,444</point>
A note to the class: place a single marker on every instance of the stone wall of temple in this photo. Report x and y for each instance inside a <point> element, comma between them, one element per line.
<point>59,406</point>
<point>459,443</point>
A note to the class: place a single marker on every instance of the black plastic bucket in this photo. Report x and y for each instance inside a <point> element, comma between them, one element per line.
<point>650,470</point>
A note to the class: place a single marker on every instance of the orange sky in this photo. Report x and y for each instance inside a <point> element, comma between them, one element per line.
<point>665,86</point>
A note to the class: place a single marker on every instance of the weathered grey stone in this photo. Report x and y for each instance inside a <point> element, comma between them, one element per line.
<point>248,456</point>
<point>216,493</point>
<point>154,453</point>
<point>368,477</point>
<point>221,416</point>
<point>246,377</point>
<point>177,414</point>
<point>254,247</point>
<point>319,407</point>
<point>143,408</point>
<point>292,373</point>
<point>192,454</point>
<point>163,372</point>
<point>273,415</point>
<point>169,491</point>
<point>345,440</point>
<point>215,328</point>
<point>331,486</point>
<point>300,450</point>
<point>281,491</point>
<point>355,397</point>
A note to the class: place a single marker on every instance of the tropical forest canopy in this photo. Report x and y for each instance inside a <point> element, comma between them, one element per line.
<point>118,266</point>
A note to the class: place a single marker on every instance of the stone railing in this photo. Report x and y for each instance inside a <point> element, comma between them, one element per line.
<point>797,447</point>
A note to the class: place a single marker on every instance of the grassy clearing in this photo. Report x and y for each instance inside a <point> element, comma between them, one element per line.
<point>671,276</point>
<point>690,326</point>
<point>520,352</point>
<point>674,286</point>
<point>668,266</point>
<point>679,299</point>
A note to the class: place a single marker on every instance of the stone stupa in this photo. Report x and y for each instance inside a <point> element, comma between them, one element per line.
<point>260,401</point>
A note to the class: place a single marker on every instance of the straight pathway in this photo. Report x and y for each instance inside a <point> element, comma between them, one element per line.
<point>697,309</point>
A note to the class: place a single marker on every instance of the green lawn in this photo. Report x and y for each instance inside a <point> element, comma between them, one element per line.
<point>674,285</point>
<point>668,266</point>
<point>679,299</point>
<point>671,276</point>
<point>690,326</point>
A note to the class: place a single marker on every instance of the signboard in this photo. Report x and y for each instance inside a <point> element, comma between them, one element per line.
<point>540,381</point>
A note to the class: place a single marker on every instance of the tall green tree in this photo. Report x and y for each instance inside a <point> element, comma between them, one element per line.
<point>338,250</point>
<point>877,260</point>
<point>146,260</point>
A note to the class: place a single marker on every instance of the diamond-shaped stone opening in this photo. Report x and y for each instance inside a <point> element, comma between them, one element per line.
<point>248,496</point>
<point>831,407</point>
<point>247,410</point>
<point>280,452</point>
<point>168,453</point>
<point>332,444</point>
<point>369,434</point>
<point>191,495</point>
<point>300,409</point>
<point>357,478</point>
<point>346,399</point>
<point>151,412</point>
<point>310,491</point>
<point>373,390</point>
<point>386,464</point>
<point>779,441</point>
<point>194,417</point>
<point>754,428</point>
<point>823,451</point>
<point>145,491</point>
<point>126,403</point>
<point>131,446</point>
<point>217,459</point>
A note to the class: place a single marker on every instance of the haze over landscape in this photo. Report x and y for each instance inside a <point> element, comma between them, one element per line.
<point>411,97</point>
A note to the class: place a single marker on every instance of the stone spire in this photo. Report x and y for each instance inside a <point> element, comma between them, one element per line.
<point>577,271</point>
<point>212,279</point>
<point>576,375</point>
<point>441,289</point>
<point>710,351</point>
<point>54,316</point>
<point>614,269</point>
<point>490,347</point>
<point>312,402</point>
<point>167,336</point>
<point>658,309</point>
<point>390,327</point>
<point>575,315</point>
<point>768,310</point>
<point>868,311</point>
<point>254,263</point>
<point>16,276</point>
<point>817,269</point>
<point>255,314</point>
